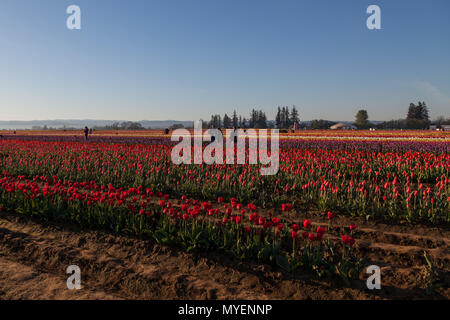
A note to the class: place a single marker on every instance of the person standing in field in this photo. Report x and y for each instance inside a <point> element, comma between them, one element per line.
<point>86,133</point>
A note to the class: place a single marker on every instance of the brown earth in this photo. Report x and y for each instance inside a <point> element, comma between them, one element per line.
<point>34,256</point>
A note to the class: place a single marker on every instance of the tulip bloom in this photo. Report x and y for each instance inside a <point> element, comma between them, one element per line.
<point>349,241</point>
<point>307,224</point>
<point>320,230</point>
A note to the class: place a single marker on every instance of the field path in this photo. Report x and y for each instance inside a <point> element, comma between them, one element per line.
<point>35,255</point>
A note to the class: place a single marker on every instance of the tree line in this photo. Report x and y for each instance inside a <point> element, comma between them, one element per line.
<point>126,125</point>
<point>257,119</point>
<point>417,117</point>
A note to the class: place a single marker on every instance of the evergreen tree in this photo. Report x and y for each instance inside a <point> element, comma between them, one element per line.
<point>417,117</point>
<point>412,111</point>
<point>235,119</point>
<point>294,115</point>
<point>253,118</point>
<point>227,123</point>
<point>424,112</point>
<point>215,121</point>
<point>285,117</point>
<point>261,121</point>
<point>278,121</point>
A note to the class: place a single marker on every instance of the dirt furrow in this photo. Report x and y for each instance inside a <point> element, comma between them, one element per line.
<point>33,253</point>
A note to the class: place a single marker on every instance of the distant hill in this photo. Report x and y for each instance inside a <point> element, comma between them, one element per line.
<point>78,124</point>
<point>162,124</point>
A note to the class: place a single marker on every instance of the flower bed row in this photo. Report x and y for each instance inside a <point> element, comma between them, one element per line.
<point>438,146</point>
<point>227,227</point>
<point>394,186</point>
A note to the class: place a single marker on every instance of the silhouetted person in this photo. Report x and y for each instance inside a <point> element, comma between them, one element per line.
<point>166,131</point>
<point>86,133</point>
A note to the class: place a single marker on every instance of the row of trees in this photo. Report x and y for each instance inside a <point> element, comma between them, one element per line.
<point>126,125</point>
<point>440,121</point>
<point>284,119</point>
<point>257,119</point>
<point>416,118</point>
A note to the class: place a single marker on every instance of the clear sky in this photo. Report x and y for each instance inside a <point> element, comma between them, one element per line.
<point>186,59</point>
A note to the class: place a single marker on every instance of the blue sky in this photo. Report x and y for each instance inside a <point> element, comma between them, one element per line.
<point>167,59</point>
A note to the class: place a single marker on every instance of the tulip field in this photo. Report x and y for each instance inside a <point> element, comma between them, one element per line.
<point>340,202</point>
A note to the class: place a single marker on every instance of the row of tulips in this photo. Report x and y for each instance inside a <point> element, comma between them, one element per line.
<point>228,227</point>
<point>408,186</point>
<point>396,143</point>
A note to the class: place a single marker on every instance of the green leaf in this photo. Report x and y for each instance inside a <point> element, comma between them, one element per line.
<point>283,262</point>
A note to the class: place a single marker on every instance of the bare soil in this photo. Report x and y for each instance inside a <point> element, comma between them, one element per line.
<point>34,256</point>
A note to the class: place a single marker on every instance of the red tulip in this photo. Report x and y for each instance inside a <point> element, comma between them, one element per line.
<point>307,224</point>
<point>348,240</point>
<point>320,230</point>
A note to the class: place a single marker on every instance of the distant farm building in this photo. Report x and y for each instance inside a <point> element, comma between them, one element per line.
<point>444,127</point>
<point>343,126</point>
